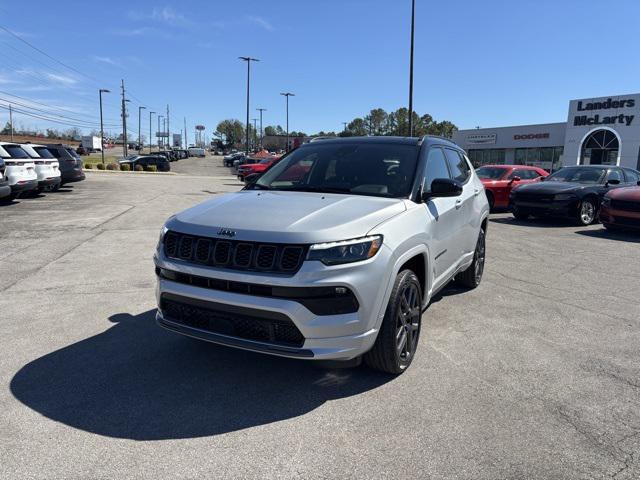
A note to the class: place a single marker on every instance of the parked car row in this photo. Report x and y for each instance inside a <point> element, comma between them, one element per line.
<point>28,169</point>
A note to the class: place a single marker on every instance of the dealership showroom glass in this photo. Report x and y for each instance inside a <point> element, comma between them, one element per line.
<point>598,131</point>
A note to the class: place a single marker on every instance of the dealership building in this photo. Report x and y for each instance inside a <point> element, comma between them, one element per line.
<point>598,131</point>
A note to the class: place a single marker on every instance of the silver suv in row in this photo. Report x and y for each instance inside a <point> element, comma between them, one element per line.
<point>332,254</point>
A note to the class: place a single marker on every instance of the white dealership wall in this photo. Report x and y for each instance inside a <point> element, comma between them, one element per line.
<point>620,114</point>
<point>627,130</point>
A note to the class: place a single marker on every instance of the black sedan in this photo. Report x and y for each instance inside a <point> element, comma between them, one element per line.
<point>159,161</point>
<point>571,192</point>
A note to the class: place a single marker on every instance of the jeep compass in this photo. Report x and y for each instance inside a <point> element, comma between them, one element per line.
<point>332,254</point>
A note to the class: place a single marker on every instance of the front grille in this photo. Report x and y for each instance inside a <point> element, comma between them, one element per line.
<point>234,254</point>
<point>625,205</point>
<point>277,331</point>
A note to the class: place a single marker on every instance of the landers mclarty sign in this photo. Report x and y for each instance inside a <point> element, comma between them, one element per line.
<point>597,119</point>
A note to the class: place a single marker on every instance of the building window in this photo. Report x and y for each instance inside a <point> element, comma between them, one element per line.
<point>542,157</point>
<point>600,148</point>
<point>489,156</point>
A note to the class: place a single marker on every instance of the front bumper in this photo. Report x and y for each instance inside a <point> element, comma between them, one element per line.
<point>554,208</point>
<point>619,218</point>
<point>325,337</point>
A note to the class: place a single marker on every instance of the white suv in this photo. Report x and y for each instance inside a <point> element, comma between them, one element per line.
<point>332,254</point>
<point>47,166</point>
<point>20,171</point>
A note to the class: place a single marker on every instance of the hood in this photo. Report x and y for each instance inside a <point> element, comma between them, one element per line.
<point>287,217</point>
<point>552,187</point>
<point>629,194</point>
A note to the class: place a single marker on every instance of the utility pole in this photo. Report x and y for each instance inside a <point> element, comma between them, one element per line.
<point>100,92</point>
<point>413,14</point>
<point>248,60</point>
<point>140,128</point>
<point>261,131</point>
<point>345,126</point>
<point>255,133</point>
<point>124,122</point>
<point>164,132</point>
<point>168,140</point>
<point>150,137</point>
<point>287,95</point>
<point>158,132</point>
<point>11,121</point>
<point>186,145</point>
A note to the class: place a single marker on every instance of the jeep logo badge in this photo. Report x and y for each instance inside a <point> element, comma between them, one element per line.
<point>226,232</point>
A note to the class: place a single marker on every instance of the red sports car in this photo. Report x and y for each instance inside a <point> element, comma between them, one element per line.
<point>499,180</point>
<point>259,167</point>
<point>620,208</point>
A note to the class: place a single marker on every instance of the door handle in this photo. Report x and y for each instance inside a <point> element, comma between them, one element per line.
<point>458,204</point>
<point>476,192</point>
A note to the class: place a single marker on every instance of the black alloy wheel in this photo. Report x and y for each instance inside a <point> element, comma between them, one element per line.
<point>472,276</point>
<point>397,340</point>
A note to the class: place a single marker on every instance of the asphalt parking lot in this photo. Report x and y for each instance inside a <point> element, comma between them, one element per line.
<point>535,374</point>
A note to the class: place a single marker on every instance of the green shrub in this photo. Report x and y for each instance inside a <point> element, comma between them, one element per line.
<point>151,168</point>
<point>125,167</point>
<point>89,166</point>
<point>139,168</point>
<point>100,166</point>
<point>113,166</point>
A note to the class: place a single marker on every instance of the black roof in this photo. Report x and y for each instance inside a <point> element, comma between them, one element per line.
<point>389,139</point>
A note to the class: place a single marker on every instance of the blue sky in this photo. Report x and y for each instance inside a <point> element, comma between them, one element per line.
<point>486,63</point>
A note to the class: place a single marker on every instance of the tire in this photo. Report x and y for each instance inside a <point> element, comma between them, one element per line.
<point>490,199</point>
<point>519,214</point>
<point>472,276</point>
<point>393,352</point>
<point>587,212</point>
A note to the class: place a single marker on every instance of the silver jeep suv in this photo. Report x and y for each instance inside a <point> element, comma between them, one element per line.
<point>332,254</point>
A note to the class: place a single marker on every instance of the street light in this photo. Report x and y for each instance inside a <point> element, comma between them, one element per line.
<point>261,131</point>
<point>248,60</point>
<point>140,129</point>
<point>287,95</point>
<point>100,92</point>
<point>150,137</point>
<point>413,14</point>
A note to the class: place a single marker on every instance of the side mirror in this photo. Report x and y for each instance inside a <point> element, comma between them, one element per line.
<point>515,179</point>
<point>613,181</point>
<point>443,187</point>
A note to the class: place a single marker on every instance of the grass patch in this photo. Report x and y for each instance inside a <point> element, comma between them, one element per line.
<point>96,159</point>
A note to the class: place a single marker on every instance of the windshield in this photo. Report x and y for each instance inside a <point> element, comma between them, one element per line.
<point>15,151</point>
<point>43,152</point>
<point>377,169</point>
<point>578,175</point>
<point>490,173</point>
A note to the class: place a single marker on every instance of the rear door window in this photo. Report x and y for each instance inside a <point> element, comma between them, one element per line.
<point>460,170</point>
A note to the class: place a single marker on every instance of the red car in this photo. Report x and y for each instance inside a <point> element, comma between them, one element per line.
<point>620,208</point>
<point>499,180</point>
<point>251,168</point>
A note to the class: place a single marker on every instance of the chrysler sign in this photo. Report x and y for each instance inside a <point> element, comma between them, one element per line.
<point>481,138</point>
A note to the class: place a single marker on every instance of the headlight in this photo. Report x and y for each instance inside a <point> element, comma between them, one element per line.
<point>563,196</point>
<point>336,253</point>
<point>163,232</point>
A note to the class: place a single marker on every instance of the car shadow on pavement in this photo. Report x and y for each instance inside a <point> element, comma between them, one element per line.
<point>535,222</point>
<point>138,381</point>
<point>622,235</point>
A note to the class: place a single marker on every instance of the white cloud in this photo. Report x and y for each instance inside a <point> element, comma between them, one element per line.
<point>107,60</point>
<point>62,79</point>
<point>261,22</point>
<point>166,15</point>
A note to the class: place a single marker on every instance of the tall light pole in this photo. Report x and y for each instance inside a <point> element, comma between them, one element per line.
<point>126,142</point>
<point>150,137</point>
<point>413,15</point>
<point>140,128</point>
<point>100,92</point>
<point>287,95</point>
<point>159,117</point>
<point>248,60</point>
<point>261,131</point>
